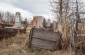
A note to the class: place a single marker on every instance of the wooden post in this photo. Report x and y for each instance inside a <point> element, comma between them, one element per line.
<point>60,11</point>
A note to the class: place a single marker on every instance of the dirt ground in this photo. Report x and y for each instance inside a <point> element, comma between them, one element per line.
<point>16,45</point>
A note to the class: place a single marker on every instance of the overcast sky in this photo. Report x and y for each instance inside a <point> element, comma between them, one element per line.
<point>27,8</point>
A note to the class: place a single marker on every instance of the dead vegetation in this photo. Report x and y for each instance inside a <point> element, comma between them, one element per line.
<point>16,45</point>
<point>68,15</point>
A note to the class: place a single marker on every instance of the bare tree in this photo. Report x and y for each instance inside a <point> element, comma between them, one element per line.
<point>67,13</point>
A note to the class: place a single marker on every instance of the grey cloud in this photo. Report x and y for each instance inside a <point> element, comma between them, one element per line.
<point>29,7</point>
<point>34,6</point>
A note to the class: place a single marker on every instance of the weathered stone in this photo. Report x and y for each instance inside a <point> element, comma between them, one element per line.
<point>54,26</point>
<point>37,21</point>
<point>17,20</point>
<point>48,23</point>
<point>0,19</point>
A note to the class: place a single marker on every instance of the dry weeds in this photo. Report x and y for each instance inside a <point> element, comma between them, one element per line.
<point>16,45</point>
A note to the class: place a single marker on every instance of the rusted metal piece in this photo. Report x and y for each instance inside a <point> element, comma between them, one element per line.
<point>43,39</point>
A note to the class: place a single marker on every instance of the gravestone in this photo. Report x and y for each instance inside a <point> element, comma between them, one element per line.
<point>17,20</point>
<point>54,26</point>
<point>48,23</point>
<point>0,18</point>
<point>37,21</point>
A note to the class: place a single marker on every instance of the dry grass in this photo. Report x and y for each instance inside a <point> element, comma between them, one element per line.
<point>13,45</point>
<point>17,46</point>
